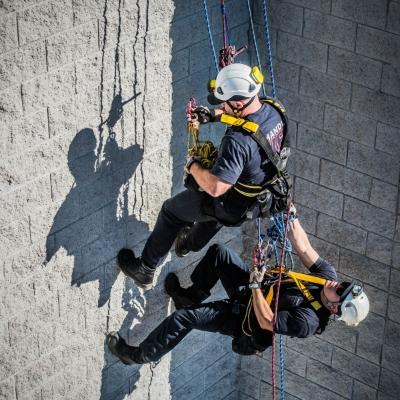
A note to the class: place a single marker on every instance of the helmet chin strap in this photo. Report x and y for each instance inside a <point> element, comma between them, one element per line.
<point>236,110</point>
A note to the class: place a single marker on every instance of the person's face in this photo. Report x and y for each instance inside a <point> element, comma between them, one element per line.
<point>330,298</point>
<point>230,107</point>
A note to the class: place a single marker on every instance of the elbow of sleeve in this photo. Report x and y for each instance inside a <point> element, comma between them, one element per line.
<point>266,325</point>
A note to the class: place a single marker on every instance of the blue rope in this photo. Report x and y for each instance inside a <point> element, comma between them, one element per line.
<point>255,43</point>
<point>268,40</point>
<point>210,35</point>
<point>277,235</point>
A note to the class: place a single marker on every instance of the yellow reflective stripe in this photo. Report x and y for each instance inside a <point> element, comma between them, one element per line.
<point>249,186</point>
<point>245,193</point>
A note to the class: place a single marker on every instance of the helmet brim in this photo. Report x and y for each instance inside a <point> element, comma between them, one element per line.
<point>213,100</point>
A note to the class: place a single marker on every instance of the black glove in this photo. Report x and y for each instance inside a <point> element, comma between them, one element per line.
<point>204,115</point>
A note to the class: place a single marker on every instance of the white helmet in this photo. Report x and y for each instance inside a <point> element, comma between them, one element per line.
<point>235,82</point>
<point>355,304</point>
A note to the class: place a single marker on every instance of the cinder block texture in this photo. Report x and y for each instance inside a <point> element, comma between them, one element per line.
<point>90,118</point>
<point>377,44</point>
<point>329,29</point>
<point>355,68</point>
<point>373,13</point>
<point>297,50</point>
<point>92,112</point>
<point>390,80</point>
<point>354,127</point>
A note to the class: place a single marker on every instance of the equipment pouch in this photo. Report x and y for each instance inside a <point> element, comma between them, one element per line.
<point>281,191</point>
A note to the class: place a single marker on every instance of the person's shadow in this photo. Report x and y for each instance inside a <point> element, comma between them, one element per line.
<point>91,222</point>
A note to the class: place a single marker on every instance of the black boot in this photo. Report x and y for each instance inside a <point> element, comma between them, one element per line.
<point>183,297</point>
<point>127,354</point>
<point>181,249</point>
<point>135,268</point>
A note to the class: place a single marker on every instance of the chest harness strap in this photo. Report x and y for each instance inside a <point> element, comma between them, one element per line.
<point>298,278</point>
<point>290,276</point>
<point>279,160</point>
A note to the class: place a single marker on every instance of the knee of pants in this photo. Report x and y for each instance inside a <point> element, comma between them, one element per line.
<point>168,214</point>
<point>219,252</point>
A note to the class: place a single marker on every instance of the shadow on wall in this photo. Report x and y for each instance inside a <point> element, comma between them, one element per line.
<point>93,220</point>
<point>96,208</point>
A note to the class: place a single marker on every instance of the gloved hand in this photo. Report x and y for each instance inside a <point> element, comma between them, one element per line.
<point>203,115</point>
<point>190,161</point>
<point>256,277</point>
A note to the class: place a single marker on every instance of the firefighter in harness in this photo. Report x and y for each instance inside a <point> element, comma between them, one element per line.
<point>306,303</point>
<point>248,176</point>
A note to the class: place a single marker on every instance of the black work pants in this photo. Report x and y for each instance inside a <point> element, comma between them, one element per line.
<point>224,316</point>
<point>184,208</point>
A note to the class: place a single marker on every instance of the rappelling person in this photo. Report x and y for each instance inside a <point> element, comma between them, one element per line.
<point>248,177</point>
<point>306,303</point>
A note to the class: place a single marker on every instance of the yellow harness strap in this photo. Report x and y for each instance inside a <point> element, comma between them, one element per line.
<point>290,276</point>
<point>297,278</point>
<point>270,295</point>
<point>249,126</point>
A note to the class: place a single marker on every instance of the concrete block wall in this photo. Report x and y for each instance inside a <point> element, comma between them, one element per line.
<point>337,71</point>
<point>93,140</point>
<point>92,97</point>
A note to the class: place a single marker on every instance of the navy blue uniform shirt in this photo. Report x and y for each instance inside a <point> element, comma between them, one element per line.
<point>296,317</point>
<point>241,158</point>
